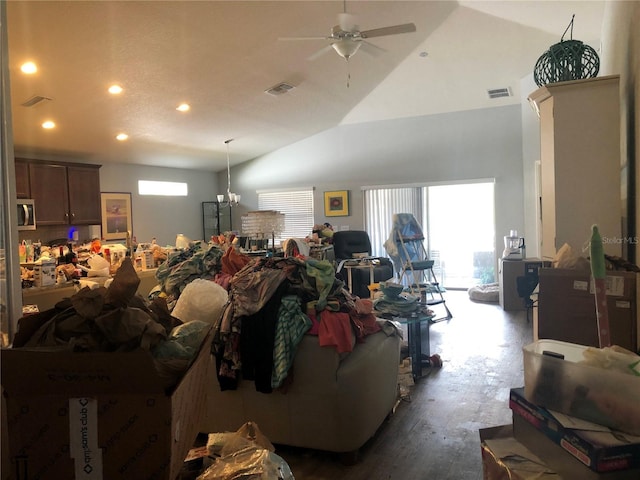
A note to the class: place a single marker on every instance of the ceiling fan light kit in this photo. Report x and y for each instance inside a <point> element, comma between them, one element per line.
<point>346,38</point>
<point>346,47</point>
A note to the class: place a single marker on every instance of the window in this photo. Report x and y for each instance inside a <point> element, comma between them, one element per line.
<point>166,189</point>
<point>297,207</point>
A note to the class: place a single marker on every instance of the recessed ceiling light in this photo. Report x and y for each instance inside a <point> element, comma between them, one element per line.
<point>183,107</point>
<point>29,68</point>
<point>122,137</point>
<point>48,125</point>
<point>115,89</point>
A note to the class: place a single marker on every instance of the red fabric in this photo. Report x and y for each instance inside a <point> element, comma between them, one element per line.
<point>232,261</point>
<point>315,323</point>
<point>364,325</point>
<point>223,279</point>
<point>333,330</point>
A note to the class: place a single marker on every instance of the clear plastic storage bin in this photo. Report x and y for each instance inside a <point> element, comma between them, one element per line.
<point>555,378</point>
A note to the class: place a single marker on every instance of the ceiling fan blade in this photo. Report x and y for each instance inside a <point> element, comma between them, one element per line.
<point>302,38</point>
<point>347,22</point>
<point>393,30</point>
<point>319,53</point>
<point>371,49</point>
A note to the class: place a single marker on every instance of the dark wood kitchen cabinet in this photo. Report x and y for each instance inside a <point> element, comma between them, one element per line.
<point>23,189</point>
<point>65,194</point>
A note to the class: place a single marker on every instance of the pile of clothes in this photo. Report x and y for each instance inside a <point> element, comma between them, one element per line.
<point>272,303</point>
<point>116,319</point>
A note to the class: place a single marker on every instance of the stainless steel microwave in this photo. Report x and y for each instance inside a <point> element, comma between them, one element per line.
<point>26,214</point>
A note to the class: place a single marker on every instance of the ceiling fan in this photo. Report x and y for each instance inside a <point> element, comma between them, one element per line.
<point>346,38</point>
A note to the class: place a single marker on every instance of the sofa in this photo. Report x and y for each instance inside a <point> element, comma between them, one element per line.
<point>335,401</point>
<point>331,397</point>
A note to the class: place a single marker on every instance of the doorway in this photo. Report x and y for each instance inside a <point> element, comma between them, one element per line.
<point>457,220</point>
<point>461,233</point>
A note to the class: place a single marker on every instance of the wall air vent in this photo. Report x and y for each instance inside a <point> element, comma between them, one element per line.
<point>35,100</point>
<point>499,92</point>
<point>279,89</point>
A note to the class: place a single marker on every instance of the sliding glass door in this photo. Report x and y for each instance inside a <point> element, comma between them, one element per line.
<point>457,221</point>
<point>461,232</point>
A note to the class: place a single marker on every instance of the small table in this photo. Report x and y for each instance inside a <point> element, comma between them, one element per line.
<point>413,323</point>
<point>367,263</point>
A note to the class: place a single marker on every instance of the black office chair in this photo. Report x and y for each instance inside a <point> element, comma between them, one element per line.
<point>352,248</point>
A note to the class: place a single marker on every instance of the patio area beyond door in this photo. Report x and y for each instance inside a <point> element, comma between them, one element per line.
<point>457,220</point>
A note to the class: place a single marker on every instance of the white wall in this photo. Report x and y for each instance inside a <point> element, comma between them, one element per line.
<point>530,154</point>
<point>440,148</point>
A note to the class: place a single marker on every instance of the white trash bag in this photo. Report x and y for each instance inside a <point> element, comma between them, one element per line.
<point>202,300</point>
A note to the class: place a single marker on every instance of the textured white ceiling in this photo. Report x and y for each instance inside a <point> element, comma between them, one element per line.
<point>220,57</point>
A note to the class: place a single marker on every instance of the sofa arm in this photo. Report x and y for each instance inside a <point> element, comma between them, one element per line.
<point>334,402</point>
<point>315,367</point>
<point>345,414</point>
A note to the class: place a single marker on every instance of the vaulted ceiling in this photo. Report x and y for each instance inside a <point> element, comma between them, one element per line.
<point>221,56</point>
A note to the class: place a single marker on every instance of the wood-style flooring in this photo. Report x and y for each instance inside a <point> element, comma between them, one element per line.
<point>435,434</point>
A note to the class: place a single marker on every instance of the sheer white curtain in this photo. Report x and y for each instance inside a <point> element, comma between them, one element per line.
<point>379,206</point>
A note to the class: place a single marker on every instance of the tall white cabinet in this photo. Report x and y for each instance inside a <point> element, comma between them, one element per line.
<point>580,163</point>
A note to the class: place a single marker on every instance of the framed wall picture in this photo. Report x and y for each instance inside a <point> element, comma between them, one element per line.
<point>336,203</point>
<point>116,215</point>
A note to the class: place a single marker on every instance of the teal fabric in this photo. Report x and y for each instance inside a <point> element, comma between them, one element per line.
<point>325,276</point>
<point>291,327</point>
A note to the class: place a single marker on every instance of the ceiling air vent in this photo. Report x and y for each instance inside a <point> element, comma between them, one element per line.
<point>279,89</point>
<point>35,100</point>
<point>499,92</point>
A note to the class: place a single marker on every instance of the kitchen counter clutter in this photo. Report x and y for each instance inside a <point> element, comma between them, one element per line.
<point>62,267</point>
<point>46,297</point>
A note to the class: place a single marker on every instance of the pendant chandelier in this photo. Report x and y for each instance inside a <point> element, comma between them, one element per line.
<point>233,199</point>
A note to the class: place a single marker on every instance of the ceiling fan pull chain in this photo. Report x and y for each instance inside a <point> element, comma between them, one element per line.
<point>348,74</point>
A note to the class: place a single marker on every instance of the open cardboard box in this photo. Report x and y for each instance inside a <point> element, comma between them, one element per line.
<point>99,415</point>
<point>504,458</point>
<point>581,449</point>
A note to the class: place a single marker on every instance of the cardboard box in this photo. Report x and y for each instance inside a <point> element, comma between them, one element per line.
<point>556,378</point>
<point>100,416</point>
<point>600,451</point>
<point>558,458</point>
<point>44,273</point>
<point>567,309</point>
<point>504,458</point>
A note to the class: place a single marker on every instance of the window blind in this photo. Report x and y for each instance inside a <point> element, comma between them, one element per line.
<point>297,206</point>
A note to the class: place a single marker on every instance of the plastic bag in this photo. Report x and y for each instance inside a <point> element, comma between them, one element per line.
<point>184,341</point>
<point>567,258</point>
<point>201,300</point>
<point>249,463</point>
<point>247,434</point>
<point>613,358</point>
<point>246,454</point>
